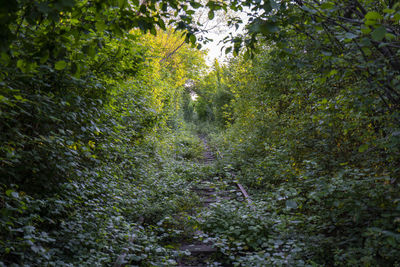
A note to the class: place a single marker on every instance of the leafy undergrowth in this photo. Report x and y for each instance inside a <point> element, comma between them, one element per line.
<point>317,147</point>
<point>129,207</point>
<point>335,221</point>
<point>96,166</point>
<point>345,217</point>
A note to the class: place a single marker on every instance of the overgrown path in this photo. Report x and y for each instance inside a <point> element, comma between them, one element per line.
<point>200,250</point>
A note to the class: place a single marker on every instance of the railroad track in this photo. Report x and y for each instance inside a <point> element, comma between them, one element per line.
<point>240,186</point>
<point>202,254</point>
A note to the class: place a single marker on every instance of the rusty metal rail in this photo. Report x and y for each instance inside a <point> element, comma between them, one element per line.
<point>241,187</point>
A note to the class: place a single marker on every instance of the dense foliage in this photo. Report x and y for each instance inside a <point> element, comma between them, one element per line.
<point>84,103</point>
<point>97,153</point>
<point>312,128</point>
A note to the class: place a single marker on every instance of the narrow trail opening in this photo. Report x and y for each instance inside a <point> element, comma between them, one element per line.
<point>199,251</point>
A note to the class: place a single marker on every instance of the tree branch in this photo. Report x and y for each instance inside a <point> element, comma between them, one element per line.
<point>173,52</point>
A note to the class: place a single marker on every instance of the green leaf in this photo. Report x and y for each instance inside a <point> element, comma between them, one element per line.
<point>363,148</point>
<point>274,4</point>
<point>332,73</point>
<point>91,51</point>
<point>44,57</point>
<point>328,5</point>
<point>389,11</point>
<point>100,25</point>
<point>350,35</point>
<point>192,38</point>
<point>8,192</point>
<point>370,23</point>
<point>211,14</point>
<point>390,36</point>
<point>309,10</point>
<point>195,4</point>
<point>5,59</point>
<point>291,204</point>
<point>60,65</point>
<point>269,27</point>
<point>21,65</point>
<point>379,33</point>
<point>161,23</point>
<point>247,55</point>
<point>153,31</point>
<point>18,97</point>
<point>122,3</point>
<point>4,99</point>
<point>367,51</point>
<point>35,249</point>
<point>396,17</point>
<point>366,42</point>
<point>366,30</point>
<point>264,27</point>
<point>373,15</point>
